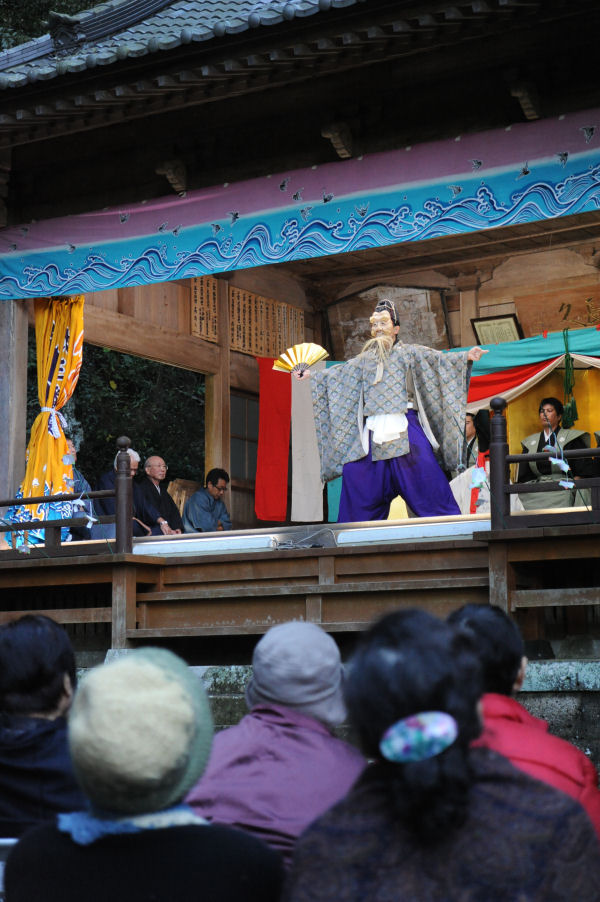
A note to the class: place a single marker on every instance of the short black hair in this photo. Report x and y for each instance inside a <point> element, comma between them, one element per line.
<point>498,643</point>
<point>215,474</point>
<point>35,655</point>
<point>553,402</point>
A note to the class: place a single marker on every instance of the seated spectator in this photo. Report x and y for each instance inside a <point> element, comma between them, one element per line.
<point>156,495</point>
<point>205,511</point>
<point>471,440</point>
<point>37,679</point>
<point>554,439</point>
<point>433,819</point>
<point>508,727</point>
<point>140,736</point>
<point>280,767</point>
<point>81,490</point>
<point>146,517</point>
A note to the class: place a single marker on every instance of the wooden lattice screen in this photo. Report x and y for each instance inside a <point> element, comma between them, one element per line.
<point>258,326</point>
<point>263,326</point>
<point>205,314</point>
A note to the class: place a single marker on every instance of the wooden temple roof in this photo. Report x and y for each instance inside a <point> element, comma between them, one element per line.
<point>129,59</point>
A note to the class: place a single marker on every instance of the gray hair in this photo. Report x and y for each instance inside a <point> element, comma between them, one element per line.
<point>133,455</point>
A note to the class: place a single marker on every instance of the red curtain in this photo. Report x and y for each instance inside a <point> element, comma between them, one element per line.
<point>496,383</point>
<point>275,413</point>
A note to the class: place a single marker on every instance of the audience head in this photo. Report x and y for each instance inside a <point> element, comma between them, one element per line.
<point>470,426</point>
<point>498,644</point>
<point>478,424</point>
<point>37,667</point>
<point>412,691</point>
<point>155,468</point>
<point>298,665</point>
<point>140,732</point>
<point>134,460</point>
<point>216,482</point>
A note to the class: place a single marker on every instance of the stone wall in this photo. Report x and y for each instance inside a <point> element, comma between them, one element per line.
<point>565,693</point>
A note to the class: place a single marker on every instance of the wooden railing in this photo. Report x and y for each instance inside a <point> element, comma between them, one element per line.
<point>501,489</point>
<point>122,493</point>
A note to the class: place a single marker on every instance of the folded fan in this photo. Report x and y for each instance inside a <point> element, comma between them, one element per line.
<point>299,358</point>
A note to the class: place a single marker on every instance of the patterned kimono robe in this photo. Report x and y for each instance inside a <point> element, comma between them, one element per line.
<point>544,471</point>
<point>344,395</point>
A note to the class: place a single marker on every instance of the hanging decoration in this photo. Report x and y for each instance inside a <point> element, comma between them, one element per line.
<point>49,471</point>
<point>570,414</point>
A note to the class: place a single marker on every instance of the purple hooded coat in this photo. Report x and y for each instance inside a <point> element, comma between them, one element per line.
<point>273,774</point>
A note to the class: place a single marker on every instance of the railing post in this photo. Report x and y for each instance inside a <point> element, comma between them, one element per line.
<point>499,471</point>
<point>123,498</point>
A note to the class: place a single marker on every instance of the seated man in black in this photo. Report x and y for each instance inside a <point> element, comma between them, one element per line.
<point>156,495</point>
<point>146,517</point>
<point>37,682</point>
<point>554,439</point>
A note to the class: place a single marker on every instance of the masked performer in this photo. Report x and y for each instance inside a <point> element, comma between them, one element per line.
<point>382,416</point>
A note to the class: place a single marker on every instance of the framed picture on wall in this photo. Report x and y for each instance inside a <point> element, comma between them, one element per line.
<point>492,330</point>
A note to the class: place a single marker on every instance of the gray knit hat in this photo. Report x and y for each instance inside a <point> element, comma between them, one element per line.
<point>298,665</point>
<point>140,732</point>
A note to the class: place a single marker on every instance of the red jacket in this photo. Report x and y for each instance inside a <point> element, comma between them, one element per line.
<point>513,732</point>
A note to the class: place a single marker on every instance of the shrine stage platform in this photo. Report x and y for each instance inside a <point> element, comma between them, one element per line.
<point>340,576</point>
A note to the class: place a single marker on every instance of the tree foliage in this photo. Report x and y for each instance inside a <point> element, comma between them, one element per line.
<point>160,408</point>
<point>23,20</point>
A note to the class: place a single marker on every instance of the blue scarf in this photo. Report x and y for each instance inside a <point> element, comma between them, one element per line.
<point>85,827</point>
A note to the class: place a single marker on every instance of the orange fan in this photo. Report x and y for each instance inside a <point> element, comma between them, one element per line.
<point>299,358</point>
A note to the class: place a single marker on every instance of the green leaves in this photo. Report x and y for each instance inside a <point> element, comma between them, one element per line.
<point>23,20</point>
<point>160,408</point>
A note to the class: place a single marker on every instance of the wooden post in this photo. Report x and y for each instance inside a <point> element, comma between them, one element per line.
<point>499,573</point>
<point>123,604</point>
<point>123,498</point>
<point>13,394</point>
<point>499,472</point>
<point>217,424</point>
<point>468,285</point>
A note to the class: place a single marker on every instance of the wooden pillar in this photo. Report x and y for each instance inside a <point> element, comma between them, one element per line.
<point>13,394</point>
<point>217,425</point>
<point>123,604</point>
<point>468,285</point>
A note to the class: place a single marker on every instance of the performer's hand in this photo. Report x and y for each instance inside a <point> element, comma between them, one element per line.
<point>301,375</point>
<point>476,353</point>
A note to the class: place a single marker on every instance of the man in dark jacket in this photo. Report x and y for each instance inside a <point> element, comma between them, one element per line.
<point>147,519</point>
<point>37,681</point>
<point>155,470</point>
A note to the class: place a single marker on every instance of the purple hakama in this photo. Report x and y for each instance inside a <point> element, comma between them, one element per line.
<point>369,487</point>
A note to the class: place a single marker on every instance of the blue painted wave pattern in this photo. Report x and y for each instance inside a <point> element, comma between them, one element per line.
<point>403,215</point>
